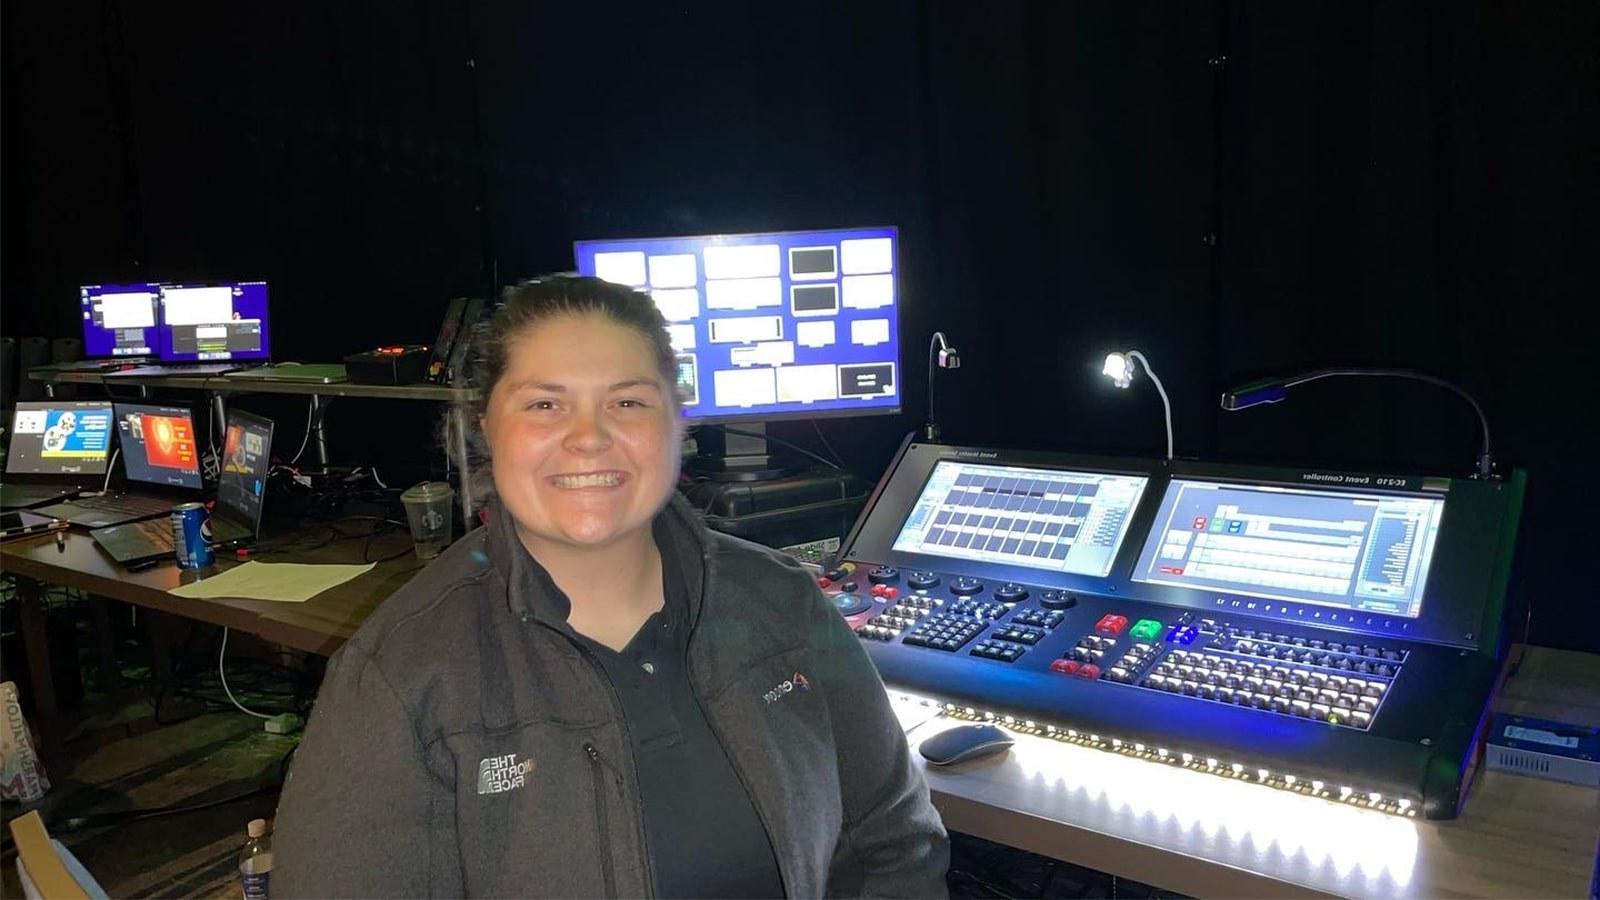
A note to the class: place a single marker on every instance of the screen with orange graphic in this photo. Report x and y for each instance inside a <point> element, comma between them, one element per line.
<point>159,445</point>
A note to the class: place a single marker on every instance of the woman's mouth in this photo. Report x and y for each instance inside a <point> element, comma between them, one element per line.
<point>588,480</point>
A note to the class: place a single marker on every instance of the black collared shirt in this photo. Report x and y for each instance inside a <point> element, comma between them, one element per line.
<point>704,835</point>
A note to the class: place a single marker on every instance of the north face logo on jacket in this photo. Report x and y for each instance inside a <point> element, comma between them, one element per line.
<point>498,774</point>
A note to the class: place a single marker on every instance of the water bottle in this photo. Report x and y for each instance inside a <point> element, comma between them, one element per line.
<point>255,861</point>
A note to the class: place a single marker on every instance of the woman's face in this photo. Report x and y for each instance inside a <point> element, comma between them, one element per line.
<point>583,433</point>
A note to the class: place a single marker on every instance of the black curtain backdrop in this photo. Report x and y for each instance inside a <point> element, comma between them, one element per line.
<point>1235,188</point>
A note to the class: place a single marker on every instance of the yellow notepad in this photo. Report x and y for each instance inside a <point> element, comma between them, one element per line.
<point>283,582</point>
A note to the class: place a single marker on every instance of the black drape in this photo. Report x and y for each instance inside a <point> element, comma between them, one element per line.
<point>1235,188</point>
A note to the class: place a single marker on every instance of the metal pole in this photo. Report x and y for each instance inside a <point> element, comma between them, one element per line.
<point>458,441</point>
<point>219,419</point>
<point>319,436</point>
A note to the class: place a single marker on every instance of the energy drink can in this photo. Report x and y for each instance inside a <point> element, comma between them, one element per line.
<point>189,536</point>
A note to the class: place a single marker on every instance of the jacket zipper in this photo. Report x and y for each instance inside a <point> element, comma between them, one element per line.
<point>627,741</point>
<point>738,771</point>
<point>597,766</point>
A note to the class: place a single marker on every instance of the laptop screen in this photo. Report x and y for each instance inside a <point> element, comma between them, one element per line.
<point>245,456</point>
<point>159,445</point>
<point>214,322</point>
<point>119,319</point>
<point>59,438</point>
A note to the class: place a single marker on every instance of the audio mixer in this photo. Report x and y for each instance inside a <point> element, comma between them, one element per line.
<point>1330,633</point>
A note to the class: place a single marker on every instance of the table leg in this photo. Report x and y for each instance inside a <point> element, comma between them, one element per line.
<point>36,639</point>
<point>106,642</point>
<point>157,625</point>
<point>319,435</point>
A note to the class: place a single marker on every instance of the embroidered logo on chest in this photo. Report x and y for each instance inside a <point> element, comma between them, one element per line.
<point>498,774</point>
<point>786,687</point>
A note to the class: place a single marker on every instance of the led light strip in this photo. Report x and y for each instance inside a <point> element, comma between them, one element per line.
<point>1397,806</point>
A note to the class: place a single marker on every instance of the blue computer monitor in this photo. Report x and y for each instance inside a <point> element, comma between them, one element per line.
<point>119,319</point>
<point>786,325</point>
<point>219,321</point>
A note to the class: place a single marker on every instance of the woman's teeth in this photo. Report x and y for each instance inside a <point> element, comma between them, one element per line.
<point>598,479</point>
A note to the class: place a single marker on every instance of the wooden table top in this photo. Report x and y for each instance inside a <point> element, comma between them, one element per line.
<point>320,625</point>
<point>1163,825</point>
<point>1209,836</point>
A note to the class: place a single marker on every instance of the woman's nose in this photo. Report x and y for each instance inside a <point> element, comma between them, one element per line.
<point>588,434</point>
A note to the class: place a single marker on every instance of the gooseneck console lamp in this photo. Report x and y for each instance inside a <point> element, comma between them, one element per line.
<point>1273,390</point>
<point>945,356</point>
<point>1119,367</point>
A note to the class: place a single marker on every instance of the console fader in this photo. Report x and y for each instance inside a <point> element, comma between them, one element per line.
<point>1328,633</point>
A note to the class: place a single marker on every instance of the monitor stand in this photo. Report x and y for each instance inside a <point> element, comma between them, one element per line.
<point>728,456</point>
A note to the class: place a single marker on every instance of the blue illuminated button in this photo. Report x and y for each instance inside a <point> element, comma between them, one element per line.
<point>1183,634</point>
<point>1145,630</point>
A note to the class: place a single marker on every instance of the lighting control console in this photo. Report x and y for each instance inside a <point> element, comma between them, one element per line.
<point>1330,633</point>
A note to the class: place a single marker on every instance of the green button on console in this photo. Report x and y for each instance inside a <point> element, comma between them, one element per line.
<point>1146,630</point>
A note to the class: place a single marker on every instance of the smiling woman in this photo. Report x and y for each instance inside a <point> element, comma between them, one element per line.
<point>599,642</point>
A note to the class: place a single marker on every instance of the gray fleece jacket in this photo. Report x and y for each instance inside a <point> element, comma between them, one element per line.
<point>464,743</point>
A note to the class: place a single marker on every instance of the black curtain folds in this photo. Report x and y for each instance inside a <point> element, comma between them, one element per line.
<point>1234,188</point>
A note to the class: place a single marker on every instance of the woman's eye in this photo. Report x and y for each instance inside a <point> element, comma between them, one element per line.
<point>541,404</point>
<point>629,403</point>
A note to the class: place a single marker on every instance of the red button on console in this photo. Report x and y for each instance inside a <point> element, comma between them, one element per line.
<point>824,583</point>
<point>1065,666</point>
<point>890,592</point>
<point>1089,670</point>
<point>1111,624</point>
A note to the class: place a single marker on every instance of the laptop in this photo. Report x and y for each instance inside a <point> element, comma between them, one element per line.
<point>148,540</point>
<point>58,449</point>
<point>119,326</point>
<point>315,373</point>
<point>242,482</point>
<point>209,329</point>
<point>160,452</point>
<point>236,515</point>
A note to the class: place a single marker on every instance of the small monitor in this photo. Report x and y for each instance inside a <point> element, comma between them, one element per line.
<point>1050,519</point>
<point>60,438</point>
<point>1354,550</point>
<point>119,319</point>
<point>214,322</point>
<point>242,482</point>
<point>800,324</point>
<point>159,445</point>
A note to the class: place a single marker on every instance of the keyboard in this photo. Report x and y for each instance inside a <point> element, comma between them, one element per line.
<point>126,504</point>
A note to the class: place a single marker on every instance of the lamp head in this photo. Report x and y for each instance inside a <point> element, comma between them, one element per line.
<point>1119,368</point>
<point>1254,395</point>
<point>949,358</point>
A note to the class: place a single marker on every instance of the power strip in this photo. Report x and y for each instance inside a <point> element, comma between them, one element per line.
<point>283,723</point>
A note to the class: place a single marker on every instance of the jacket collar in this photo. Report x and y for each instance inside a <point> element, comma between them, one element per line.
<point>530,592</point>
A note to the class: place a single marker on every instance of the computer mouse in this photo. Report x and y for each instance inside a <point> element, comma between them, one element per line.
<point>962,743</point>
